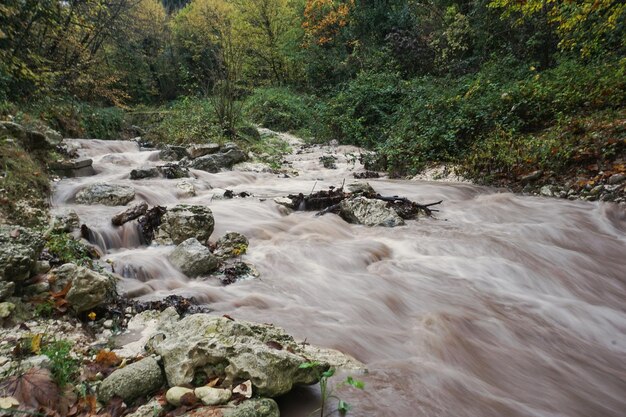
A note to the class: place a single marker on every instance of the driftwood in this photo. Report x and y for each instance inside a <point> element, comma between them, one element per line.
<point>328,201</point>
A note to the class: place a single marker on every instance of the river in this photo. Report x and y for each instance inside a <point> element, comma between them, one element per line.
<point>500,305</point>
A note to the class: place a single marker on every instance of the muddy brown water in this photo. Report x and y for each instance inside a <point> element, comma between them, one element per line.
<point>502,305</point>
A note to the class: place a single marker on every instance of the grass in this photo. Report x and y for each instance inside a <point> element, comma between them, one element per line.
<point>64,368</point>
<point>23,183</point>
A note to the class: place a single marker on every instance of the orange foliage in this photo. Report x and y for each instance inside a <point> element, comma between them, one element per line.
<point>323,19</point>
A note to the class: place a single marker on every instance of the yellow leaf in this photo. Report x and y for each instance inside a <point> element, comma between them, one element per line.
<point>8,402</point>
<point>35,344</point>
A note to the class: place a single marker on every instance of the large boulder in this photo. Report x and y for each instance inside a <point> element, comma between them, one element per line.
<point>228,156</point>
<point>144,172</point>
<point>172,153</point>
<point>254,407</point>
<point>87,289</point>
<point>230,245</point>
<point>173,171</point>
<point>133,381</point>
<point>184,221</point>
<point>233,350</point>
<point>107,194</point>
<point>198,150</point>
<point>369,212</point>
<point>73,168</point>
<point>130,214</point>
<point>19,250</point>
<point>193,259</point>
<point>30,140</point>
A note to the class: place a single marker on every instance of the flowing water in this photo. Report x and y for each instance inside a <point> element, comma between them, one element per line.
<point>502,305</point>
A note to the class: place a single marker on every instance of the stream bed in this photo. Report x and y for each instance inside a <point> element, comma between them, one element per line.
<point>500,305</point>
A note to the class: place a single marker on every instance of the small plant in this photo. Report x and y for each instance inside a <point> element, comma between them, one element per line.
<point>68,249</point>
<point>64,367</point>
<point>326,393</point>
<point>329,161</point>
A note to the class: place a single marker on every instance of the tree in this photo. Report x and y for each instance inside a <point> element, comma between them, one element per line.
<point>583,25</point>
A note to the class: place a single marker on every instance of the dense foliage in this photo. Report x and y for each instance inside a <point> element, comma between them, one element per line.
<point>418,80</point>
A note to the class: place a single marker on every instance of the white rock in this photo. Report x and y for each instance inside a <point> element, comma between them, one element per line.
<point>175,394</point>
<point>212,396</point>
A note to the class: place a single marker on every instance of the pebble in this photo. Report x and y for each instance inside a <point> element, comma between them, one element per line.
<point>174,395</point>
<point>108,324</point>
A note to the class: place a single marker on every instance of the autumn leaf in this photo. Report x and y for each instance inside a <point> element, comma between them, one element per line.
<point>107,358</point>
<point>33,390</point>
<point>35,343</point>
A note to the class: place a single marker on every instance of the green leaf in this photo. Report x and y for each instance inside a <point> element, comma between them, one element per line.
<point>307,365</point>
<point>343,407</point>
<point>328,373</point>
<point>355,383</point>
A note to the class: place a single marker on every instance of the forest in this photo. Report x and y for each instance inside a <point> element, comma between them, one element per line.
<point>500,87</point>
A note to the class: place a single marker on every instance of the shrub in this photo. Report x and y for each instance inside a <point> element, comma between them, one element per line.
<point>360,113</point>
<point>279,109</point>
<point>184,121</point>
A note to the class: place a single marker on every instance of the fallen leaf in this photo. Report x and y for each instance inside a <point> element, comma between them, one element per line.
<point>107,358</point>
<point>33,390</point>
<point>212,383</point>
<point>35,343</point>
<point>115,407</point>
<point>15,233</point>
<point>189,399</point>
<point>245,389</point>
<point>274,345</point>
<point>8,402</point>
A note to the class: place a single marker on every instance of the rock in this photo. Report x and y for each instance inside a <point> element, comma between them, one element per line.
<point>130,214</point>
<point>369,212</point>
<point>284,201</point>
<point>233,350</point>
<point>31,140</point>
<point>617,179</point>
<point>88,288</point>
<point>183,221</point>
<point>226,158</point>
<point>133,381</point>
<point>39,361</point>
<point>65,222</point>
<point>6,309</point>
<point>193,259</point>
<point>198,150</point>
<point>174,395</point>
<point>186,187</point>
<point>546,191</point>
<point>6,289</point>
<point>173,153</point>
<point>144,325</point>
<point>173,171</point>
<point>361,188</point>
<point>533,176</point>
<point>19,251</point>
<point>42,267</point>
<point>256,407</point>
<point>237,271</point>
<point>144,172</point>
<point>73,168</point>
<point>231,244</point>
<point>107,194</point>
<point>595,191</point>
<point>151,409</point>
<point>212,396</point>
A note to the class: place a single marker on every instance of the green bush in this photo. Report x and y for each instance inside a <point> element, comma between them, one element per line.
<point>64,368</point>
<point>279,109</point>
<point>68,249</point>
<point>441,118</point>
<point>184,121</point>
<point>360,113</point>
<point>74,119</point>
